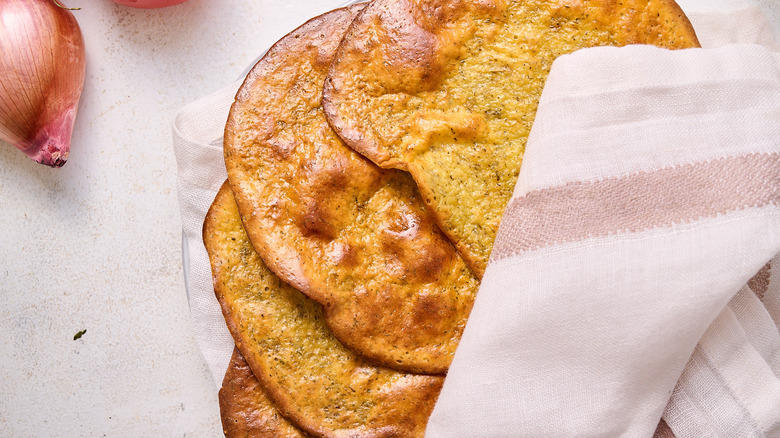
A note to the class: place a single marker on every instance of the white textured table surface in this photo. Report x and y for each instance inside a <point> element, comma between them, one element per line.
<point>96,245</point>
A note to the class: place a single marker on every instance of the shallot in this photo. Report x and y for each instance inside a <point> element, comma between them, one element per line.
<point>42,66</point>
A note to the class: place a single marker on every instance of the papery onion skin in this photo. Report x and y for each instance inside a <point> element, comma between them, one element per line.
<point>42,67</point>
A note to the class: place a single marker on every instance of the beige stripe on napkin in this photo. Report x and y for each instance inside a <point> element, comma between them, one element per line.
<point>637,202</point>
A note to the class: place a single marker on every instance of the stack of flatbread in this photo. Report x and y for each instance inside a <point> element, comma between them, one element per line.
<point>370,154</point>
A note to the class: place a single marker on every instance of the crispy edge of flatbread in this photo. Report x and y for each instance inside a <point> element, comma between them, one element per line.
<point>245,409</point>
<point>287,265</point>
<point>401,405</point>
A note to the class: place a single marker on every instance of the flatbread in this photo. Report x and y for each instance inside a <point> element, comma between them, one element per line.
<point>356,238</point>
<point>448,90</point>
<point>248,412</point>
<point>318,384</point>
<point>245,408</point>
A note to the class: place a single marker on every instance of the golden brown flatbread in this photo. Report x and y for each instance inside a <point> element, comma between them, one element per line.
<point>245,408</point>
<point>356,238</point>
<point>317,383</point>
<point>248,412</point>
<point>448,90</point>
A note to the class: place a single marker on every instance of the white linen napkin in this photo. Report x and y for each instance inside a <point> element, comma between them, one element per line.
<point>197,143</point>
<point>649,196</point>
<point>583,331</point>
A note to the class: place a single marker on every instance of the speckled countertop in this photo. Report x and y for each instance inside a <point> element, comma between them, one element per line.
<point>96,245</point>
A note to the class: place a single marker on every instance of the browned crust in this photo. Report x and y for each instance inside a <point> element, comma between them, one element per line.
<point>410,46</point>
<point>415,60</point>
<point>245,408</point>
<point>356,238</point>
<point>423,65</point>
<point>400,403</point>
<point>285,263</point>
<point>419,69</point>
